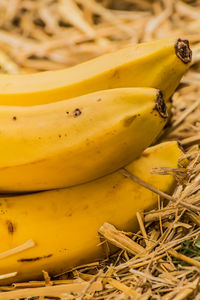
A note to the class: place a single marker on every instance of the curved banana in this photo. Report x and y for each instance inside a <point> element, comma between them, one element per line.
<point>70,142</point>
<point>64,223</point>
<point>159,64</point>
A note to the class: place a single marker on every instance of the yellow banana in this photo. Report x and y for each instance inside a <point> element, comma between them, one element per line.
<point>70,142</point>
<point>64,223</point>
<point>159,64</point>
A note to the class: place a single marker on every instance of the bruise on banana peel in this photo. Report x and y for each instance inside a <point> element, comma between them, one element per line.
<point>52,148</point>
<point>129,120</point>
<point>32,259</point>
<point>73,216</point>
<point>11,227</point>
<point>158,64</point>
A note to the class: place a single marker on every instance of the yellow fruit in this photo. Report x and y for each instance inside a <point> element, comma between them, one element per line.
<point>64,223</point>
<point>159,64</point>
<point>71,142</point>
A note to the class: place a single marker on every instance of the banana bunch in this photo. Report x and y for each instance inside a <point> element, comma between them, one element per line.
<point>68,133</point>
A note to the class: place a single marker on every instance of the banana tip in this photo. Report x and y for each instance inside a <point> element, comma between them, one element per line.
<point>160,105</point>
<point>183,51</point>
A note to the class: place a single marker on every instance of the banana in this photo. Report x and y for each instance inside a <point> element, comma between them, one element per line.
<point>64,223</point>
<point>159,64</point>
<point>74,141</point>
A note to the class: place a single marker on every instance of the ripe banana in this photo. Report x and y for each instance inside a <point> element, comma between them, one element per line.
<point>70,142</point>
<point>64,223</point>
<point>159,64</point>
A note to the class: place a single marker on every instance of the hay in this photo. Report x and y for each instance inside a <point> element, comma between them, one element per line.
<point>162,259</point>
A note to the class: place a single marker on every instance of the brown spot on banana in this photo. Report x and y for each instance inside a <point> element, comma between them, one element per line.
<point>116,74</point>
<point>160,106</point>
<point>10,226</point>
<point>76,112</point>
<point>129,120</point>
<point>183,51</point>
<point>34,258</point>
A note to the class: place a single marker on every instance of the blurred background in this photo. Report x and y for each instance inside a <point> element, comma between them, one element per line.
<point>52,34</point>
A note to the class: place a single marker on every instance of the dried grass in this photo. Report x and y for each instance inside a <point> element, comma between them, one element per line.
<point>162,260</point>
